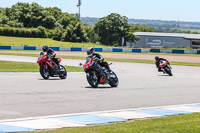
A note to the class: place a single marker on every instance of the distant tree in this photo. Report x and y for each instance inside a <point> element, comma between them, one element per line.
<point>64,21</point>
<point>112,28</point>
<point>74,33</point>
<point>56,12</point>
<point>57,33</point>
<point>49,22</point>
<point>91,35</point>
<point>42,32</point>
<point>142,28</point>
<point>28,14</point>
<point>4,20</point>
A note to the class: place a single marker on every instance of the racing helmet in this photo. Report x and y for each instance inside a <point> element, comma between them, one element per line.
<point>90,52</point>
<point>156,57</point>
<point>45,48</point>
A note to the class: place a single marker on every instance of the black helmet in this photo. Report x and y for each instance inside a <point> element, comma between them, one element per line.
<point>156,57</point>
<point>90,52</point>
<point>45,48</point>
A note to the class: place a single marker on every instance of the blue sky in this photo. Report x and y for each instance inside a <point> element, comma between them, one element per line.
<point>182,10</point>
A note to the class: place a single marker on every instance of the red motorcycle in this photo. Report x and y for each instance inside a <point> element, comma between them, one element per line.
<point>49,68</point>
<point>97,74</point>
<point>164,65</point>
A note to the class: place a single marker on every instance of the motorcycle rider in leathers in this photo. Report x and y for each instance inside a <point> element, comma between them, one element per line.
<point>91,53</point>
<point>158,62</point>
<point>50,53</point>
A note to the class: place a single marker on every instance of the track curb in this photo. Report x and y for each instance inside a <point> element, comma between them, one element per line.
<point>94,118</point>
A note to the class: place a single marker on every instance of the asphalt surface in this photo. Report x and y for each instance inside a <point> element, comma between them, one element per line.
<point>68,62</point>
<point>140,85</point>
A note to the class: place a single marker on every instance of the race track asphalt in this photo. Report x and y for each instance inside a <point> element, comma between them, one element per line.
<point>140,85</point>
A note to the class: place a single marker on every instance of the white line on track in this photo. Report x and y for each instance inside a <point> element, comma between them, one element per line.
<point>97,112</point>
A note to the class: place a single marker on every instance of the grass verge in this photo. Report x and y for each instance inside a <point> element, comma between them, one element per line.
<point>168,54</point>
<point>20,54</point>
<point>9,66</point>
<point>111,59</point>
<point>188,123</point>
<point>153,62</point>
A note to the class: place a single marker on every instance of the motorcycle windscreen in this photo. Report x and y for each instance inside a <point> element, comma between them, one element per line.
<point>41,54</point>
<point>88,59</point>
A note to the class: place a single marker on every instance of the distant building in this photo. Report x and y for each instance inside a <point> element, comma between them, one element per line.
<point>166,40</point>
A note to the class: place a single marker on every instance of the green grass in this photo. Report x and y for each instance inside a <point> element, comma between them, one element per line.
<point>111,59</point>
<point>9,66</point>
<point>20,41</point>
<point>173,124</point>
<point>137,61</point>
<point>20,54</point>
<point>152,62</point>
<point>160,54</point>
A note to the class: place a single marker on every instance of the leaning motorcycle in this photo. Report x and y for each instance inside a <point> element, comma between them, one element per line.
<point>97,74</point>
<point>164,65</point>
<point>48,68</point>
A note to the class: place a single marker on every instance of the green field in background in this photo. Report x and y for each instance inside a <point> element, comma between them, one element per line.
<point>111,59</point>
<point>9,66</point>
<point>20,41</point>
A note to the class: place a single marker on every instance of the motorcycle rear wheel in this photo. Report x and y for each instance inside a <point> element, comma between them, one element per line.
<point>44,72</point>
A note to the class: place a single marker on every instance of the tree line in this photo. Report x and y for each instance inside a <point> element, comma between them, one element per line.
<point>33,20</point>
<point>158,25</point>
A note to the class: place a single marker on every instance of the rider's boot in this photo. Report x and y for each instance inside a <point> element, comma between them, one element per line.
<point>160,70</point>
<point>57,62</point>
<point>59,66</point>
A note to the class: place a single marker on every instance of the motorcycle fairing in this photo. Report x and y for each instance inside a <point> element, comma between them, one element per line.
<point>101,80</point>
<point>98,68</point>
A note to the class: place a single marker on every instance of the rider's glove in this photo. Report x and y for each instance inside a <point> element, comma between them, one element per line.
<point>100,61</point>
<point>53,55</point>
<point>96,60</point>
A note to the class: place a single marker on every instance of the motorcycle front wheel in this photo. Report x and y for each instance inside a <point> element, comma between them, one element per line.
<point>44,72</point>
<point>113,80</point>
<point>92,79</point>
<point>64,74</point>
<point>168,71</point>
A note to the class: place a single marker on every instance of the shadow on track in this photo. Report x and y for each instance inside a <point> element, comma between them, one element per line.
<point>50,79</point>
<point>100,87</point>
<point>165,75</point>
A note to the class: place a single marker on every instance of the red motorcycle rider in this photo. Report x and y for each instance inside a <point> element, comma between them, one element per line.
<point>51,53</point>
<point>98,71</point>
<point>91,53</point>
<point>158,61</point>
